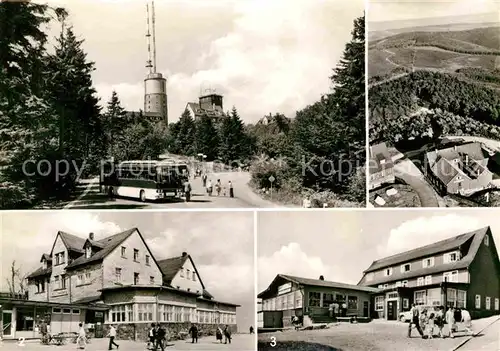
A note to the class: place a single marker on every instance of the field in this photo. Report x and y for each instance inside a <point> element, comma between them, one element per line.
<point>455,52</point>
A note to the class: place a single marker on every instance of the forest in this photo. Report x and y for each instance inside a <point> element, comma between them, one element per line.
<point>460,108</point>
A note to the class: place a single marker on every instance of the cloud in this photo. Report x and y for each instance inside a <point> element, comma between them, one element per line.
<point>292,260</point>
<point>426,230</point>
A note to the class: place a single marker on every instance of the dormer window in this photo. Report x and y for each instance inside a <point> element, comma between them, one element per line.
<point>428,262</point>
<point>451,257</point>
<point>388,272</point>
<point>88,251</point>
<point>44,264</point>
<point>405,268</point>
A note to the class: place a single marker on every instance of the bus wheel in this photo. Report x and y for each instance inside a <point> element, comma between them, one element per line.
<point>142,196</point>
<point>110,192</point>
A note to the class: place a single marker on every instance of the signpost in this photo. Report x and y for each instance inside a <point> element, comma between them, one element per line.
<point>272,179</point>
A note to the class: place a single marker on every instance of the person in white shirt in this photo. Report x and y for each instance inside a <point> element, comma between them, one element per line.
<point>467,320</point>
<point>450,321</point>
<point>81,341</point>
<point>112,336</point>
<point>306,203</point>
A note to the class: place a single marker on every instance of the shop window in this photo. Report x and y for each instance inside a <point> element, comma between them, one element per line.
<point>352,302</point>
<point>461,298</point>
<point>327,300</point>
<point>56,310</point>
<point>25,319</point>
<point>379,303</point>
<point>406,304</point>
<point>314,299</point>
<point>75,311</point>
<point>66,310</point>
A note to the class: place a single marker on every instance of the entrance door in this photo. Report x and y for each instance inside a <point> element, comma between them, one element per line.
<point>366,309</point>
<point>392,310</point>
<point>8,332</point>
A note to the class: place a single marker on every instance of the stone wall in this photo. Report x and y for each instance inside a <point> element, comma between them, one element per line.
<point>139,331</point>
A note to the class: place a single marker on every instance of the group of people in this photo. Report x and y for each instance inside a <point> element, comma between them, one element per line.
<point>219,333</point>
<point>337,309</point>
<point>157,337</point>
<point>426,321</point>
<point>207,184</point>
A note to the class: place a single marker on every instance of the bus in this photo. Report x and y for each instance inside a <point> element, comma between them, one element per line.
<point>144,180</point>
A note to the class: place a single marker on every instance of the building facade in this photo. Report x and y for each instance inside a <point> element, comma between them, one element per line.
<point>210,105</point>
<point>115,280</point>
<point>310,299</point>
<point>463,271</point>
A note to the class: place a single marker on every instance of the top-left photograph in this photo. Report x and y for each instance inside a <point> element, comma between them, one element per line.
<point>182,104</point>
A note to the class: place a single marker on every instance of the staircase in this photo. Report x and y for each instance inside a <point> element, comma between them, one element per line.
<point>322,319</point>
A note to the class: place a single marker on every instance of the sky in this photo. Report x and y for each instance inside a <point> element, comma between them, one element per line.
<point>385,10</point>
<point>263,56</point>
<point>340,245</point>
<point>223,254</point>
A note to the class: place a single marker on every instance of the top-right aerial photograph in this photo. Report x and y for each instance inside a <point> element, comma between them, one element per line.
<point>434,103</point>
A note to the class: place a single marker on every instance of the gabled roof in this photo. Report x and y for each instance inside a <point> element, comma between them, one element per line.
<point>72,242</point>
<point>109,244</point>
<point>46,257</point>
<point>170,267</point>
<point>379,152</point>
<point>95,243</point>
<point>40,272</point>
<point>424,251</point>
<point>474,238</point>
<point>315,282</point>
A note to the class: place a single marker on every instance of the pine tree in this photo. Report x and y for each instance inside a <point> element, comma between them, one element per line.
<point>185,136</point>
<point>114,122</point>
<point>234,142</point>
<point>206,140</point>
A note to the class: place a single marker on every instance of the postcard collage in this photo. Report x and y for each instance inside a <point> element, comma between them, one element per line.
<point>250,175</point>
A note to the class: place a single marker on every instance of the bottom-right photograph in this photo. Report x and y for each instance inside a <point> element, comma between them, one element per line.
<point>379,280</point>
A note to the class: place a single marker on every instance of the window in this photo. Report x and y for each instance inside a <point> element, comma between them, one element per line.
<point>478,301</point>
<point>194,276</point>
<point>451,257</point>
<point>327,300</point>
<point>136,255</point>
<point>451,297</point>
<point>406,303</point>
<point>405,268</point>
<point>182,272</point>
<point>379,303</point>
<point>388,272</point>
<point>121,313</point>
<point>124,251</point>
<point>386,286</point>
<point>118,274</point>
<point>497,304</point>
<point>380,286</point>
<point>428,280</point>
<point>57,259</point>
<point>420,297</point>
<point>88,251</point>
<point>57,282</point>
<point>392,295</point>
<point>151,280</point>
<point>79,279</point>
<point>488,303</point>
<point>188,273</point>
<point>487,240</point>
<point>405,283</point>
<point>75,311</point>
<point>451,277</point>
<point>62,258</point>
<point>147,260</point>
<point>314,299</point>
<point>145,312</point>
<point>66,310</point>
<point>63,282</point>
<point>461,298</point>
<point>352,302</point>
<point>428,262</point>
<point>298,299</point>
<point>420,281</point>
<point>136,278</point>
<point>56,310</point>
<point>87,278</point>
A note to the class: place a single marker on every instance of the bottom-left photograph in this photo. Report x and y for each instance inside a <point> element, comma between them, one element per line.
<point>128,280</point>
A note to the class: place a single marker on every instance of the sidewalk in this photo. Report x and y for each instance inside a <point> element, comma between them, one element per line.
<point>478,326</point>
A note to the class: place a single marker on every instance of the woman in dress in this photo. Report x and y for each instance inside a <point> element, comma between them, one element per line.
<point>218,334</point>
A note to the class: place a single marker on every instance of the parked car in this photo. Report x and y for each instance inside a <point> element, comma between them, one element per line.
<point>405,316</point>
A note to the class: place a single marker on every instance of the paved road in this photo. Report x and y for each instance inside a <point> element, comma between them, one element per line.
<point>410,174</point>
<point>488,340</point>
<point>373,336</point>
<point>88,196</point>
<point>241,342</point>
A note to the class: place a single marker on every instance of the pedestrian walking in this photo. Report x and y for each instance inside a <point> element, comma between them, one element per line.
<point>330,310</point>
<point>218,187</point>
<point>251,330</point>
<point>430,323</point>
<point>81,341</point>
<point>344,309</point>
<point>204,180</point>
<point>336,308</point>
<point>194,333</point>
<point>218,334</point>
<point>227,334</point>
<point>450,322</point>
<point>151,337</point>
<point>112,336</point>
<point>187,190</point>
<point>467,321</point>
<point>415,321</point>
<point>231,190</point>
<point>440,321</point>
<point>209,187</point>
<point>160,337</point>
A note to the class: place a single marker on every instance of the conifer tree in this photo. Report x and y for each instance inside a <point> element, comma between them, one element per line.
<point>207,139</point>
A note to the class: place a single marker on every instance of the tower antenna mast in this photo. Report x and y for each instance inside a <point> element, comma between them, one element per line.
<point>148,36</point>
<point>154,37</point>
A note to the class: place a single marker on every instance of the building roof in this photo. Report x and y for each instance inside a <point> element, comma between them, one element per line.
<point>109,244</point>
<point>40,272</point>
<point>89,299</point>
<point>72,242</point>
<point>170,267</point>
<point>46,257</point>
<point>315,282</point>
<point>475,239</point>
<point>379,152</point>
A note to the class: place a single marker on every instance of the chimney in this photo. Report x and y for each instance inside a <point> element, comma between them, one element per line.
<point>466,159</point>
<point>184,254</point>
<point>91,236</point>
<point>321,277</point>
